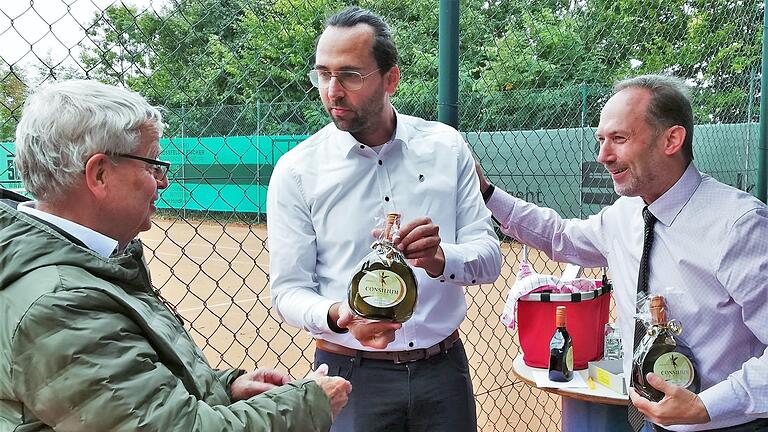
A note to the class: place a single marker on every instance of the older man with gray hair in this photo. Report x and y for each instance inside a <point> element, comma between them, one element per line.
<point>86,344</point>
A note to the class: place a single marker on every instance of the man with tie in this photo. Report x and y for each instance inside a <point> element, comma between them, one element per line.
<point>86,343</point>
<point>672,227</point>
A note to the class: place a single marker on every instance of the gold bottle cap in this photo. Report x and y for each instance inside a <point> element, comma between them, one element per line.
<point>393,219</point>
<point>560,319</point>
<point>658,309</point>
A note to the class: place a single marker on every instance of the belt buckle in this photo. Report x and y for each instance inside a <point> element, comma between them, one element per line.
<point>400,357</point>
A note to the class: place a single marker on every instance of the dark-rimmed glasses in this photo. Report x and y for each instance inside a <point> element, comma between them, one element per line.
<point>350,80</point>
<point>159,168</point>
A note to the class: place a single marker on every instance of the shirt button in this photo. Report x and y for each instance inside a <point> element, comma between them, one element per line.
<point>473,280</point>
<point>362,146</point>
<point>410,344</point>
<point>453,276</point>
<point>386,199</point>
<point>381,163</point>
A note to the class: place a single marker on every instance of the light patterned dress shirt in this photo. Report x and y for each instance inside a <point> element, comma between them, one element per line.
<point>327,194</point>
<point>710,260</point>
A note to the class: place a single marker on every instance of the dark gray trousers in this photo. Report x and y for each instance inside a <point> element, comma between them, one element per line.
<point>432,395</point>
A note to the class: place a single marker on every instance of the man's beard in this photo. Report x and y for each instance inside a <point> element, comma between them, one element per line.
<point>361,121</point>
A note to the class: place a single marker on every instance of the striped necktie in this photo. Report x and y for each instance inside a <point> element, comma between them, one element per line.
<point>634,416</point>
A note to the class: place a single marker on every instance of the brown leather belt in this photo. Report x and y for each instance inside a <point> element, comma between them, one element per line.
<point>393,356</point>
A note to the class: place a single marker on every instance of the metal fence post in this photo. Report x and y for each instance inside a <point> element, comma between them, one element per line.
<point>184,160</point>
<point>750,102</point>
<point>258,149</point>
<point>448,80</point>
<point>762,148</point>
<point>584,91</point>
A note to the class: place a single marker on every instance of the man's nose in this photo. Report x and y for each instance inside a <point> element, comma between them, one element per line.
<point>604,155</point>
<point>335,89</point>
<point>162,184</point>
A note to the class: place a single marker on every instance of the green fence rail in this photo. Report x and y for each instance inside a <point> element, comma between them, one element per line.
<point>231,174</point>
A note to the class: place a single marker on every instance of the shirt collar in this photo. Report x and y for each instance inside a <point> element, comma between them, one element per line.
<point>95,241</point>
<point>671,203</point>
<point>348,142</point>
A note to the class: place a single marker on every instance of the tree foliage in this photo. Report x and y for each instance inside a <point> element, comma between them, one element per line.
<point>13,89</point>
<point>239,66</point>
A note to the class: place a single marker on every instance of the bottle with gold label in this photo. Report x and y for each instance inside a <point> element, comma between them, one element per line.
<point>384,286</point>
<point>560,349</point>
<point>661,352</point>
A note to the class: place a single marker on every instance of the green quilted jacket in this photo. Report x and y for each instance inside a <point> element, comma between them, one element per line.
<point>85,345</point>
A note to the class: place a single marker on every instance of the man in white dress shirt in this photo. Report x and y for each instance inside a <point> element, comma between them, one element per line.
<point>324,198</point>
<point>710,245</point>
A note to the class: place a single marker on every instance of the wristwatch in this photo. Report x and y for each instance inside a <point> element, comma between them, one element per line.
<point>488,192</point>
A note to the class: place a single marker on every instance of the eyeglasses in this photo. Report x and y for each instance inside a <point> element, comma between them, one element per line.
<point>350,80</point>
<point>159,168</point>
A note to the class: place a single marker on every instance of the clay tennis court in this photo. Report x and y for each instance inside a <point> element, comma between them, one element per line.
<point>216,275</point>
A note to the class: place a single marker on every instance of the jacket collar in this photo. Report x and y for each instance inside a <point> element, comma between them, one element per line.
<point>91,239</point>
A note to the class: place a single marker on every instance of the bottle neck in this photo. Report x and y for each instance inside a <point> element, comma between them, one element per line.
<point>658,316</point>
<point>388,231</point>
<point>658,312</point>
<point>391,226</point>
<point>560,319</point>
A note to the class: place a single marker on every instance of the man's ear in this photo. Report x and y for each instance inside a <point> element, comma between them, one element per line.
<point>97,169</point>
<point>675,137</point>
<point>392,79</point>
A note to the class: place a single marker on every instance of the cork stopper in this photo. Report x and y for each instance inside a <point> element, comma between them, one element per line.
<point>393,220</point>
<point>560,316</point>
<point>658,309</point>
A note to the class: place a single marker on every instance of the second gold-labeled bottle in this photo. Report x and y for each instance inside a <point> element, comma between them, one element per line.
<point>661,352</point>
<point>384,286</point>
<point>560,349</point>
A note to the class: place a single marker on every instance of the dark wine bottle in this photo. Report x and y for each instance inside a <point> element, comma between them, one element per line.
<point>661,352</point>
<point>560,349</point>
<point>384,286</point>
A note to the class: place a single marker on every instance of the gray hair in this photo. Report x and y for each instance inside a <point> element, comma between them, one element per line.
<point>65,123</point>
<point>384,49</point>
<point>670,104</point>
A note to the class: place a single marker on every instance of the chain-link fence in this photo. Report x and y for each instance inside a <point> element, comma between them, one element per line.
<point>231,75</point>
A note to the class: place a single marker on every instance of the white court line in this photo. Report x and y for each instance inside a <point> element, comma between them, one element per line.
<point>197,245</point>
<point>198,242</point>
<point>214,258</point>
<point>195,309</point>
<point>215,246</point>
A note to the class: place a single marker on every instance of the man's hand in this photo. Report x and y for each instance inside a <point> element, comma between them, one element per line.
<point>484,183</point>
<point>679,406</point>
<point>336,388</point>
<point>257,382</point>
<point>374,334</point>
<point>419,240</point>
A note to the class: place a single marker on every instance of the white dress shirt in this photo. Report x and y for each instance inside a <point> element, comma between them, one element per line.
<point>327,194</point>
<point>710,260</point>
<point>95,241</point>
